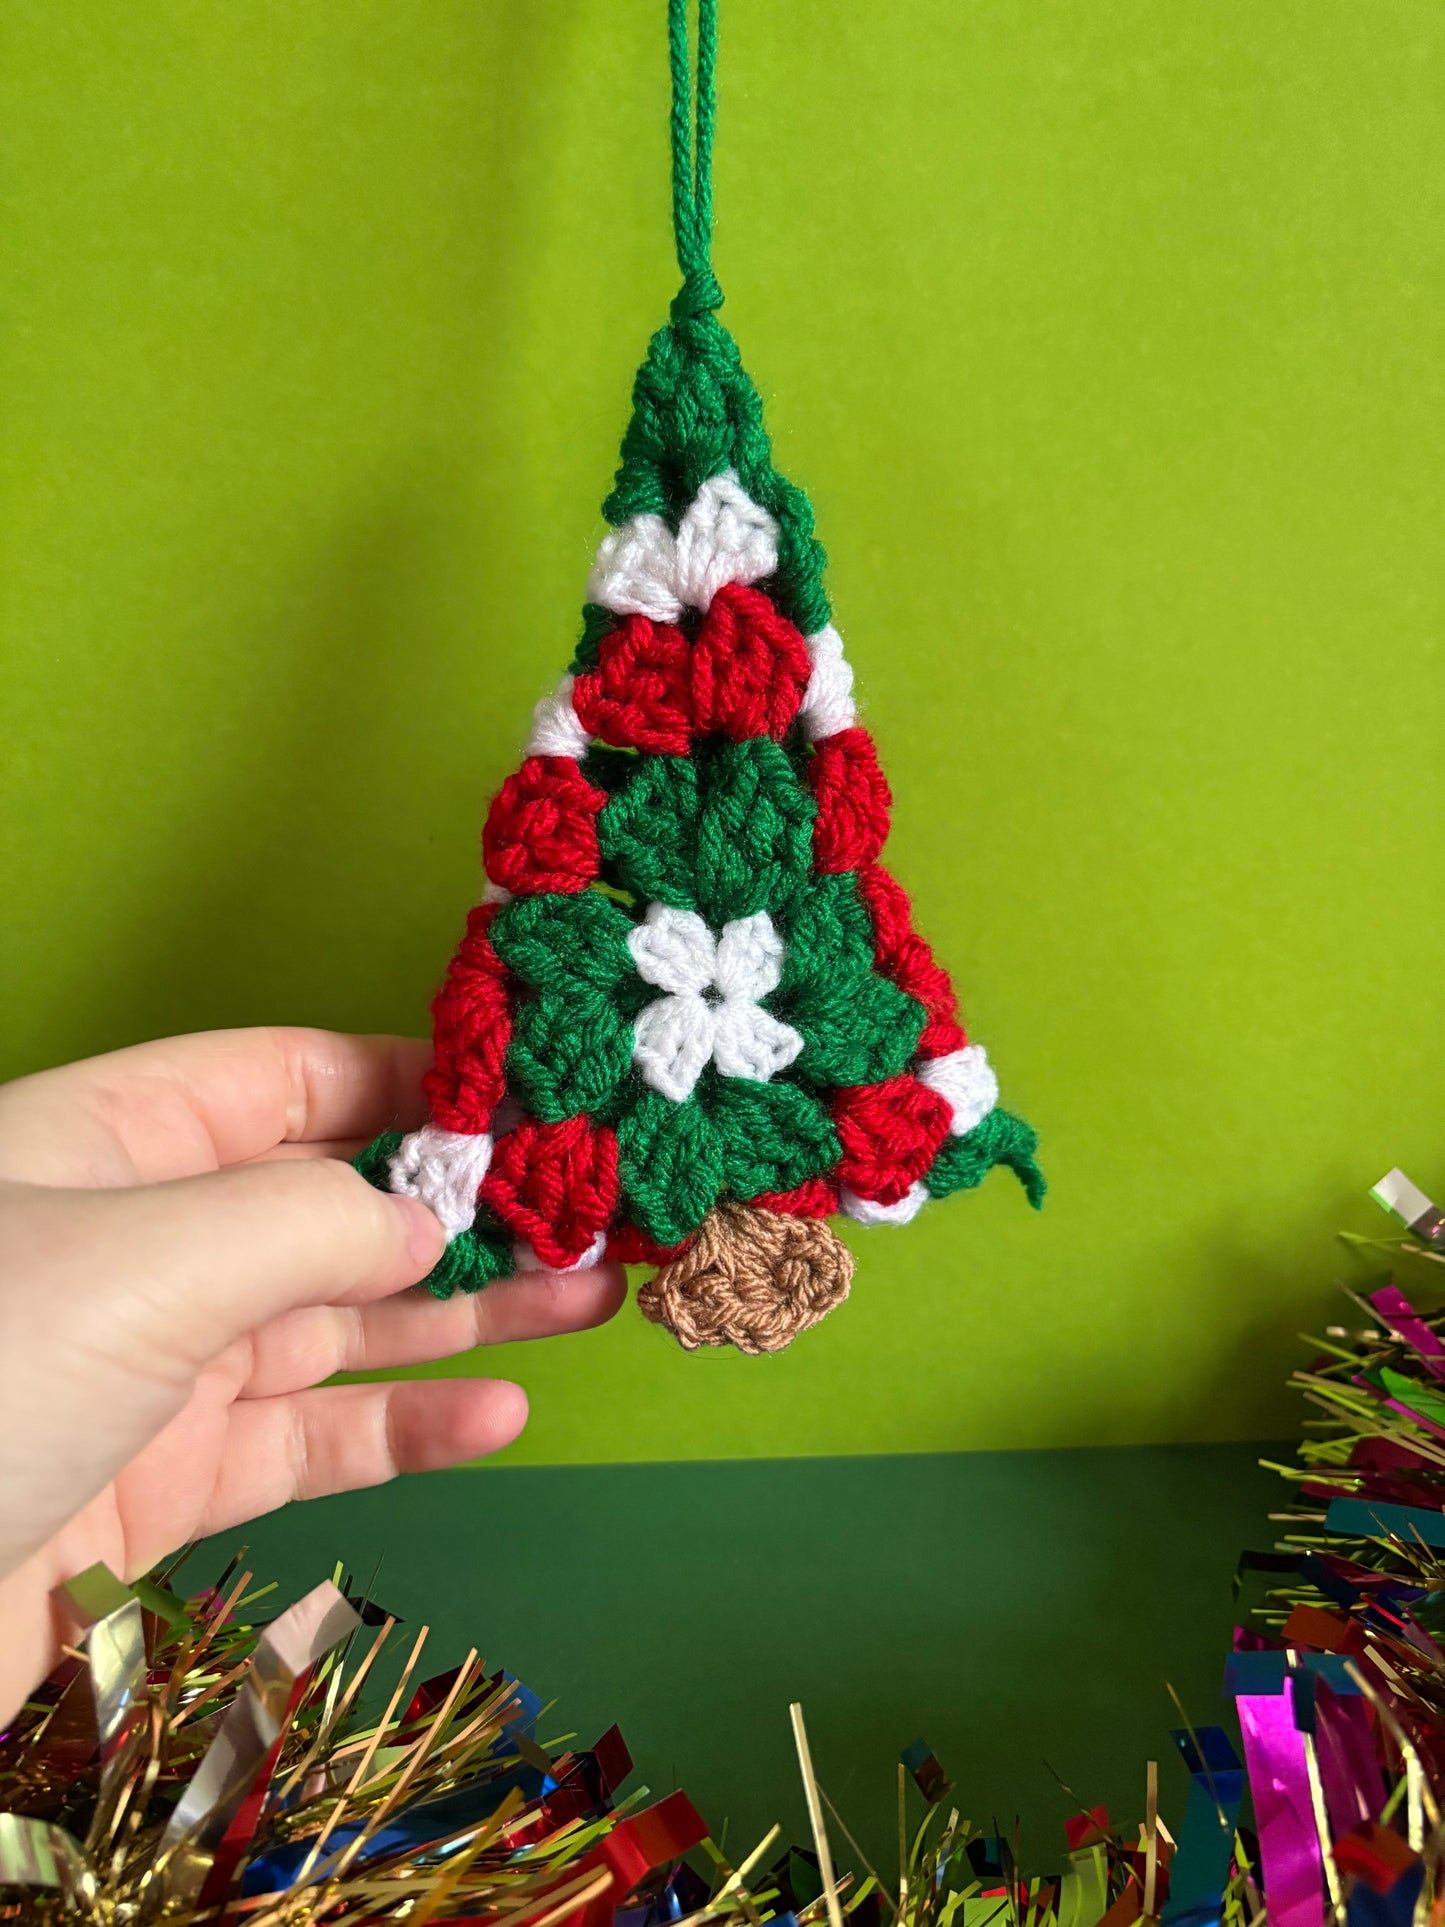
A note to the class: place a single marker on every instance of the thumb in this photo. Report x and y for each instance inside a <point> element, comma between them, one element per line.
<point>112,1301</point>
<point>185,1268</point>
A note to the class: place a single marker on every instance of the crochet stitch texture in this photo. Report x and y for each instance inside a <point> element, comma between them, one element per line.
<point>691,985</point>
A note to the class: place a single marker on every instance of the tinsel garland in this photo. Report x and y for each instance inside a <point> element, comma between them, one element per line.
<point>191,1762</point>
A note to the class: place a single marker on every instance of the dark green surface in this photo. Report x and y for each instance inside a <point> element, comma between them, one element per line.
<point>1015,1608</point>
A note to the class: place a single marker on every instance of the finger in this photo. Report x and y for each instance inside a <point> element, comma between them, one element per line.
<point>304,1347</point>
<point>143,1286</point>
<point>342,1148</point>
<point>344,1437</point>
<point>192,1104</point>
<point>168,1275</point>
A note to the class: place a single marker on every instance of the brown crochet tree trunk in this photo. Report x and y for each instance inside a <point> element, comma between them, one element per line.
<point>750,1278</point>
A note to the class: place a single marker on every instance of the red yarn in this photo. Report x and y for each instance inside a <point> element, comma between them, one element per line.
<point>887,904</point>
<point>817,1198</point>
<point>904,957</point>
<point>853,801</point>
<point>629,1244</point>
<point>890,1134</point>
<point>638,696</point>
<point>541,831</point>
<point>750,666</point>
<point>919,972</point>
<point>472,1023</point>
<point>554,1185</point>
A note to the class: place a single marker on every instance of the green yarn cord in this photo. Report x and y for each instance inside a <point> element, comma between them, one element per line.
<point>694,115</point>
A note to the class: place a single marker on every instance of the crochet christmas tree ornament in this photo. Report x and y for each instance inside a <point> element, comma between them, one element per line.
<point>691,1017</point>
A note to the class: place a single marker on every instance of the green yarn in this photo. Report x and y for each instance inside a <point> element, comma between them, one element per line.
<point>375,1161</point>
<point>731,1136</point>
<point>774,1136</point>
<point>570,1051</point>
<point>695,412</point>
<point>596,623</point>
<point>564,943</point>
<point>856,1026</point>
<point>647,832</point>
<point>694,114</point>
<point>1001,1138</point>
<point>571,1042</point>
<point>754,832</point>
<point>607,768</point>
<point>856,1031</point>
<point>471,1260</point>
<point>828,932</point>
<point>670,1165</point>
<point>726,832</point>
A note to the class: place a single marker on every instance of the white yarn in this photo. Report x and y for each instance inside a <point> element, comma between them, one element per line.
<point>827,704</point>
<point>868,1211</point>
<point>636,570</point>
<point>673,949</point>
<point>556,728</point>
<point>749,957</point>
<point>748,1041</point>
<point>672,1039</point>
<point>524,1258</point>
<point>710,1009</point>
<point>723,537</point>
<point>495,892</point>
<point>642,568</point>
<point>966,1079</point>
<point>445,1170</point>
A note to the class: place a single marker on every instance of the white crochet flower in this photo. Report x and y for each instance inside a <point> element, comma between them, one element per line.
<point>710,1008</point>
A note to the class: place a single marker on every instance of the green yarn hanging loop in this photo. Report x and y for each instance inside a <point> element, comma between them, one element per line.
<point>694,113</point>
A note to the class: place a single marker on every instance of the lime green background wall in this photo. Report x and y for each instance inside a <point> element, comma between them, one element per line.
<point>1107,340</point>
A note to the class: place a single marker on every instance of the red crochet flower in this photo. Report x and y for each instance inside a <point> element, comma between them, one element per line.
<point>554,1185</point>
<point>638,696</point>
<point>541,831</point>
<point>890,1134</point>
<point>749,667</point>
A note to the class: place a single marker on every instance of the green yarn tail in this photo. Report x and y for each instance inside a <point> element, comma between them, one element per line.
<point>1001,1138</point>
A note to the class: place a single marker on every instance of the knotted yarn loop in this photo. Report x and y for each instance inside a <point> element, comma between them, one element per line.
<point>699,294</point>
<point>694,114</point>
<point>751,1278</point>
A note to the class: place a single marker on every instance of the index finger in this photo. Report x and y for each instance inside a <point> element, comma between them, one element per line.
<point>186,1105</point>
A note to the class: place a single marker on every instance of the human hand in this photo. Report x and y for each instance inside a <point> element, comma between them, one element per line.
<point>184,1258</point>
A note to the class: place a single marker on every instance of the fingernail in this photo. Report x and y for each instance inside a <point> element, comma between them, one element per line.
<point>425,1241</point>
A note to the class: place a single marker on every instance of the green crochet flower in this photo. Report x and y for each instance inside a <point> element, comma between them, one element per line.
<point>725,834</point>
